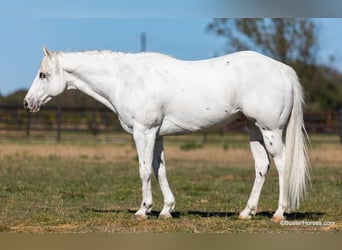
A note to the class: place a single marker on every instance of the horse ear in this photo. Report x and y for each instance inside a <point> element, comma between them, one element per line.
<point>46,51</point>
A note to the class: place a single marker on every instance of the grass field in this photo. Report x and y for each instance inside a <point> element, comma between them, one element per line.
<point>95,187</point>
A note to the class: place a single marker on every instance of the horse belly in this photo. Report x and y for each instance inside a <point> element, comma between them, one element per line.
<point>189,122</point>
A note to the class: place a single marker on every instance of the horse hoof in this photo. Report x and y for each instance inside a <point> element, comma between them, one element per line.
<point>244,217</point>
<point>165,216</point>
<point>141,216</point>
<point>277,218</point>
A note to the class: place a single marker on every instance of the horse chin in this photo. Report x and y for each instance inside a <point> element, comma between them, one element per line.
<point>45,100</point>
<point>35,108</point>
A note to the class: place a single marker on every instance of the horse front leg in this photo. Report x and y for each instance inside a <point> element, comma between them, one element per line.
<point>144,139</point>
<point>160,172</point>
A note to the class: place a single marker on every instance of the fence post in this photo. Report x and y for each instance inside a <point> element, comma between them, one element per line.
<point>58,121</point>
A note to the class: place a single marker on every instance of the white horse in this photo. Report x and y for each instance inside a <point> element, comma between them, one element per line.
<point>156,95</point>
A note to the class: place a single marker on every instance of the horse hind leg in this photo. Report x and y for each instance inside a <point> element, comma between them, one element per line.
<point>276,148</point>
<point>262,164</point>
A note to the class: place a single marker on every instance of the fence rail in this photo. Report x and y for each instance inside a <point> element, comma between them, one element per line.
<point>97,119</point>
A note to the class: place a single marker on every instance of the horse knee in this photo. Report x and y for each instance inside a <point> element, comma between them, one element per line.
<point>261,159</point>
<point>262,166</point>
<point>145,172</point>
<point>261,170</point>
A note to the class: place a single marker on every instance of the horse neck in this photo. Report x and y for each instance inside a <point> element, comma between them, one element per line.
<point>94,74</point>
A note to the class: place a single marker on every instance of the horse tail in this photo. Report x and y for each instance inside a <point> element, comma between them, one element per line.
<point>296,157</point>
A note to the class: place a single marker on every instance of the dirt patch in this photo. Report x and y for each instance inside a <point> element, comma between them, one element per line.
<point>84,152</point>
<point>124,153</point>
<point>328,155</point>
<point>44,229</point>
<point>217,155</point>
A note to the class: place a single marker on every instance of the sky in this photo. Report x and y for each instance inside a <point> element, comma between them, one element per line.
<point>173,31</point>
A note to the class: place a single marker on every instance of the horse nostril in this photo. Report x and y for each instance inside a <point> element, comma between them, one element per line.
<point>25,104</point>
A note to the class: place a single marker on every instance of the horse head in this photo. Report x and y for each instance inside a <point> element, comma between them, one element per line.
<point>49,82</point>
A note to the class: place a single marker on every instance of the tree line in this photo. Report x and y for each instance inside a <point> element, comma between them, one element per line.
<point>292,41</point>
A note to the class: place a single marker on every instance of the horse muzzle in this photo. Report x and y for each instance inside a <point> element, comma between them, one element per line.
<point>32,105</point>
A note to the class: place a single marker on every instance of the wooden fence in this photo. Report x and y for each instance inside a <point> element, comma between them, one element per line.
<point>98,119</point>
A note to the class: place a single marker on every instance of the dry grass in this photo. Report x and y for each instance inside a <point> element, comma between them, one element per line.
<point>329,155</point>
<point>114,153</point>
<point>326,155</point>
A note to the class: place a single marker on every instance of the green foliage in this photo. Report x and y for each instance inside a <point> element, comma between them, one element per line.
<point>189,145</point>
<point>292,41</point>
<point>70,98</point>
<point>284,39</point>
<point>14,98</point>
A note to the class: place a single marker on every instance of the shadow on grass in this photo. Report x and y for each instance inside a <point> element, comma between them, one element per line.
<point>205,214</point>
<point>267,214</point>
<point>294,216</point>
<point>304,215</point>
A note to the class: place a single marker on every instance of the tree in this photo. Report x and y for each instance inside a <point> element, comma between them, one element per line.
<point>292,41</point>
<point>287,40</point>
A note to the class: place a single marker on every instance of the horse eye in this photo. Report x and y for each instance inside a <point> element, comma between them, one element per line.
<point>42,75</point>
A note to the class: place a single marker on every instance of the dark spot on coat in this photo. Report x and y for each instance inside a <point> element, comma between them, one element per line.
<point>144,204</point>
<point>260,174</point>
<point>271,143</point>
<point>207,108</point>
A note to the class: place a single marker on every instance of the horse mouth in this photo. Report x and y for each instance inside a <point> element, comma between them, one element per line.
<point>32,105</point>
